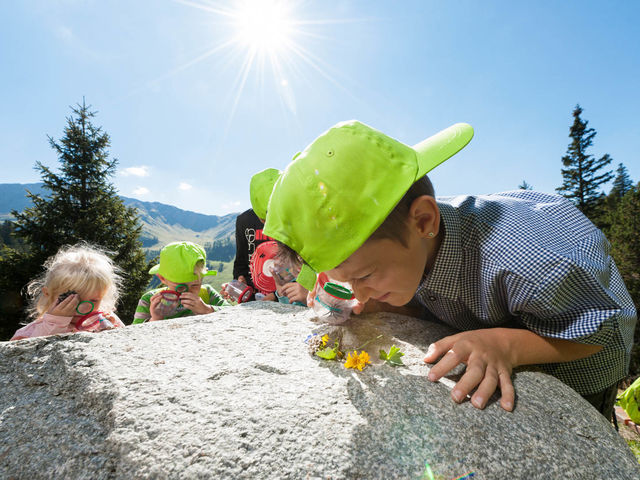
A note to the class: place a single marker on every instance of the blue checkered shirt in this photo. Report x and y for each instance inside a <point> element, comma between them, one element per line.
<point>532,260</point>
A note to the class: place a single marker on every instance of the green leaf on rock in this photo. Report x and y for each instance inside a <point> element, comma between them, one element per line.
<point>327,353</point>
<point>394,357</point>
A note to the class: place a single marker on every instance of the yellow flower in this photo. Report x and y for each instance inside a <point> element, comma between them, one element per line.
<point>356,360</point>
<point>363,359</point>
<point>325,339</point>
<point>351,362</point>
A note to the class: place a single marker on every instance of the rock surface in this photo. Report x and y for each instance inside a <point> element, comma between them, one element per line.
<point>236,394</point>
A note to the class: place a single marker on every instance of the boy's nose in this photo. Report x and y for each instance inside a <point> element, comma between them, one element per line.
<point>361,292</point>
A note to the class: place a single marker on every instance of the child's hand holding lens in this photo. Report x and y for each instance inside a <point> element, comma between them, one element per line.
<point>194,303</point>
<point>154,307</point>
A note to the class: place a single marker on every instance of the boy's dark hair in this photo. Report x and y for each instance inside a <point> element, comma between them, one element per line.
<point>394,226</point>
<point>288,256</point>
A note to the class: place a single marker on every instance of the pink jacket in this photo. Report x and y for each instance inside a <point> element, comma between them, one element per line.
<point>53,325</point>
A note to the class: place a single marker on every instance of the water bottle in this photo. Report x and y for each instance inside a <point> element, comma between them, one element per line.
<point>169,303</point>
<point>239,291</point>
<point>333,303</point>
<point>94,322</point>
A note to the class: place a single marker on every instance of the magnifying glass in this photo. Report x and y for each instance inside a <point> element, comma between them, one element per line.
<point>170,296</point>
<point>85,307</point>
<point>181,288</point>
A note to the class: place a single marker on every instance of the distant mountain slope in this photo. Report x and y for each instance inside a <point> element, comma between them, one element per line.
<point>161,223</point>
<point>13,196</point>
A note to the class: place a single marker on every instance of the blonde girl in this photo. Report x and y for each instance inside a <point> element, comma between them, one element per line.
<point>78,291</point>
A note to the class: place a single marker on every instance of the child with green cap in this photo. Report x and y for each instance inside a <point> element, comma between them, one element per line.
<point>524,276</point>
<point>181,270</point>
<point>249,234</point>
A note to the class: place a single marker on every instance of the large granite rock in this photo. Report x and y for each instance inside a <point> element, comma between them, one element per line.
<point>237,395</point>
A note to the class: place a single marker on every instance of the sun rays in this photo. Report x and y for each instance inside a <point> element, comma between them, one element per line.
<point>265,41</point>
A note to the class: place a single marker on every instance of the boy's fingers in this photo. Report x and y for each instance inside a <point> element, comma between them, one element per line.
<point>472,377</point>
<point>448,362</point>
<point>439,348</point>
<point>310,298</point>
<point>486,388</point>
<point>508,397</point>
<point>358,307</point>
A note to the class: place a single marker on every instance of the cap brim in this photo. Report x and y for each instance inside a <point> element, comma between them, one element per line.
<point>441,146</point>
<point>154,269</point>
<point>210,273</point>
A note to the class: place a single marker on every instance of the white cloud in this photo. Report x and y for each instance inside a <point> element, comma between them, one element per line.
<point>185,186</point>
<point>141,191</point>
<point>141,171</point>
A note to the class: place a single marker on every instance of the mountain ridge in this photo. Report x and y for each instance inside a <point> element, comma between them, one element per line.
<point>161,223</point>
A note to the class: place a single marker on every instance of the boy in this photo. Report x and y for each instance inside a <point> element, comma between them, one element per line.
<point>181,269</point>
<point>525,275</point>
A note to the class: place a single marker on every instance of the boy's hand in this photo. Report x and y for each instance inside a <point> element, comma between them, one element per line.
<point>194,303</point>
<point>489,358</point>
<point>294,292</point>
<point>223,288</point>
<point>154,302</point>
<point>66,307</point>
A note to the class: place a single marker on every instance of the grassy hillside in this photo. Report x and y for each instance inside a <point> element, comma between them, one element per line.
<point>224,276</point>
<point>156,233</point>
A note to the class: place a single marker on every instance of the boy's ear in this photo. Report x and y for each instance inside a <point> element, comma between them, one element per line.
<point>425,215</point>
<point>161,278</point>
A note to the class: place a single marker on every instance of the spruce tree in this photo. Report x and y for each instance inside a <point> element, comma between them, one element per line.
<point>82,206</point>
<point>583,174</point>
<point>525,186</point>
<point>621,184</point>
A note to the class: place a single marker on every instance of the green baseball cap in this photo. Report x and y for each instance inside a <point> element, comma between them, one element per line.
<point>339,190</point>
<point>260,189</point>
<point>178,260</point>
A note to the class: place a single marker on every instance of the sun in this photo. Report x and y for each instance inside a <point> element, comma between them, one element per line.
<point>264,26</point>
<point>268,41</point>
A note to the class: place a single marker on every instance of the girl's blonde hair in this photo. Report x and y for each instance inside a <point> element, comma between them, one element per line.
<point>82,268</point>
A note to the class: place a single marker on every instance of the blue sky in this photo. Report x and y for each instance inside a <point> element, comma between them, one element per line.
<point>191,118</point>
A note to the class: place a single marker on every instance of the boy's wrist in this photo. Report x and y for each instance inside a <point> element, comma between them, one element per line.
<point>508,342</point>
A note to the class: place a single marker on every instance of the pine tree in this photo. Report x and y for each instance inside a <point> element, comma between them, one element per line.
<point>583,175</point>
<point>525,186</point>
<point>622,183</point>
<point>82,206</point>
